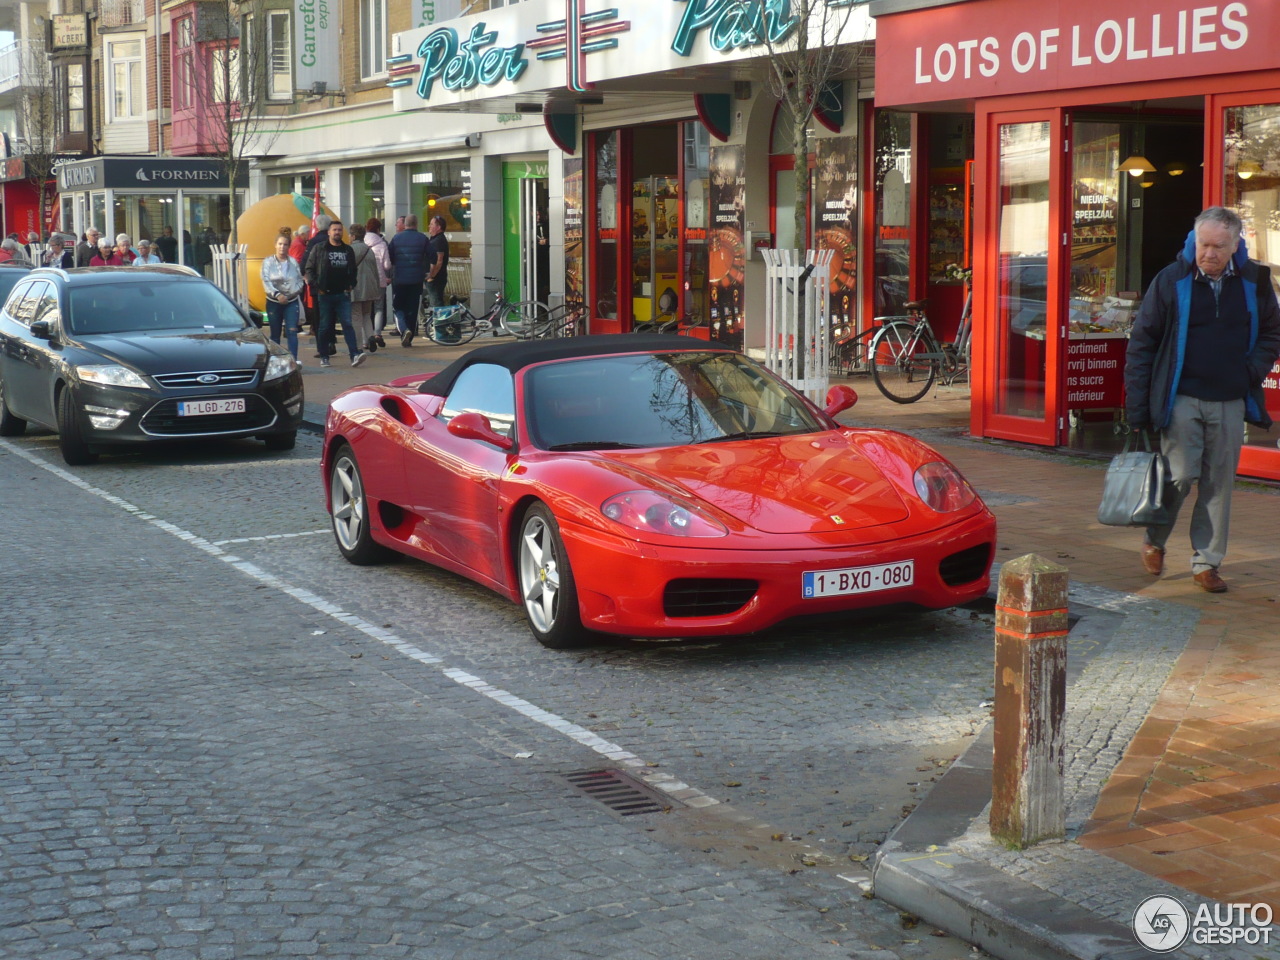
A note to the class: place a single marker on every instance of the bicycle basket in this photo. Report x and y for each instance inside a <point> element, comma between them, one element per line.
<point>447,323</point>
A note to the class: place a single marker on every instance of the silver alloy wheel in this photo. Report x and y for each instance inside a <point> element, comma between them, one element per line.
<point>539,573</point>
<point>346,503</point>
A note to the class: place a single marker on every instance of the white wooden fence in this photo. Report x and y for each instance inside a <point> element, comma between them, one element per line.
<point>797,318</point>
<point>230,271</point>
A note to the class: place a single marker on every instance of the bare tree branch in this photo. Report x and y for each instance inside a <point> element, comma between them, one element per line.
<point>236,94</point>
<point>811,56</point>
<point>808,53</point>
<point>39,125</point>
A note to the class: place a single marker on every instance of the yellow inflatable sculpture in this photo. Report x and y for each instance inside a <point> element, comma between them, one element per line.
<point>259,226</point>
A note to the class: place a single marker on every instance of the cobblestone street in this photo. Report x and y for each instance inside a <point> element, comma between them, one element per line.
<point>217,746</point>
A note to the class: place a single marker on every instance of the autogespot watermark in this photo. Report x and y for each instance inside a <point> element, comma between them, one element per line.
<point>1163,924</point>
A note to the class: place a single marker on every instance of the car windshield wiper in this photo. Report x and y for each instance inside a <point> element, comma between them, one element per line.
<point>746,435</point>
<point>596,445</point>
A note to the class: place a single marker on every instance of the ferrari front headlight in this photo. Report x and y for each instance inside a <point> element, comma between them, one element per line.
<point>653,512</point>
<point>940,486</point>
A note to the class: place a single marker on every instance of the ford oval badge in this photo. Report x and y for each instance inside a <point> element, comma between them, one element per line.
<point>208,378</point>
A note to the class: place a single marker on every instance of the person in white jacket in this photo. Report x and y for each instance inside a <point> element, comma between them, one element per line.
<point>378,247</point>
<point>282,283</point>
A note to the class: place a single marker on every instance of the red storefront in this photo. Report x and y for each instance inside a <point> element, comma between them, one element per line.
<point>19,201</point>
<point>1100,130</point>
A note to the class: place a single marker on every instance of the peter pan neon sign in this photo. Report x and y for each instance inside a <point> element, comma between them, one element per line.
<point>732,24</point>
<point>461,65</point>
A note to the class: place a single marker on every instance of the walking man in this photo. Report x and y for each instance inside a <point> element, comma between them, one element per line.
<point>1205,337</point>
<point>409,260</point>
<point>331,271</point>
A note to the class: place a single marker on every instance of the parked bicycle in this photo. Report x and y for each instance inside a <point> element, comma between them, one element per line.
<point>565,320</point>
<point>851,350</point>
<point>454,324</point>
<point>906,356</point>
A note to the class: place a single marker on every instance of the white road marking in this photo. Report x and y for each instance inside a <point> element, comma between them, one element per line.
<point>665,782</point>
<point>271,536</point>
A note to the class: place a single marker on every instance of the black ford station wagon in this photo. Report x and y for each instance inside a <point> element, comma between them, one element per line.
<point>123,355</point>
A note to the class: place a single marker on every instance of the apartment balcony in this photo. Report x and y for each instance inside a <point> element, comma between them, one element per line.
<point>24,66</point>
<point>120,13</point>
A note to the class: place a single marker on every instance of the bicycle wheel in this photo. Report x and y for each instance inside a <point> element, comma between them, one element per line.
<point>900,366</point>
<point>450,326</point>
<point>527,319</point>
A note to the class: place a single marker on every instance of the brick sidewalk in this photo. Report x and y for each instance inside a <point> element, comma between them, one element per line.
<point>1196,799</point>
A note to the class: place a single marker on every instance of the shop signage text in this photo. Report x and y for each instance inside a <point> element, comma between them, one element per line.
<point>70,30</point>
<point>731,24</point>
<point>1192,31</point>
<point>161,174</point>
<point>69,177</point>
<point>1029,47</point>
<point>1095,373</point>
<point>157,173</point>
<point>316,29</point>
<point>462,65</point>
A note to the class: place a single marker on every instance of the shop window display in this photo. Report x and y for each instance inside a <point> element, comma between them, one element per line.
<point>367,194</point>
<point>443,187</point>
<point>697,190</point>
<point>1022,272</point>
<point>892,172</point>
<point>1251,187</point>
<point>606,244</point>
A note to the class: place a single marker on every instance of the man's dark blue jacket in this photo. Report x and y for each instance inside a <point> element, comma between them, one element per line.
<point>1157,346</point>
<point>409,260</point>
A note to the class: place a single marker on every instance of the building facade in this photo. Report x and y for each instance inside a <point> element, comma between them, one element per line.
<point>1100,134</point>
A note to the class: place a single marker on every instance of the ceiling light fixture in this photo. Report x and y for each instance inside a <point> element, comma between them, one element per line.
<point>1136,166</point>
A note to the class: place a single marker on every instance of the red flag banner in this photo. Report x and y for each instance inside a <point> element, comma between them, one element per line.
<point>315,203</point>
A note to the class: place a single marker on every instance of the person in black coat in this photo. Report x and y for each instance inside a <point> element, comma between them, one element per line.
<point>1205,337</point>
<point>331,271</point>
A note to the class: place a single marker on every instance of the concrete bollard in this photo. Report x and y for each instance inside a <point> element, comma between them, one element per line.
<point>1031,695</point>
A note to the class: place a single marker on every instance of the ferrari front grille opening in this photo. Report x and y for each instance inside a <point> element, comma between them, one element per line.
<point>710,597</point>
<point>966,566</point>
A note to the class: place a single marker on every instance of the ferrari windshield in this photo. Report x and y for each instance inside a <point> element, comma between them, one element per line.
<point>659,400</point>
<point>150,304</point>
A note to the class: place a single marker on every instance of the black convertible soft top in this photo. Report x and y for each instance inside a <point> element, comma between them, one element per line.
<point>517,354</point>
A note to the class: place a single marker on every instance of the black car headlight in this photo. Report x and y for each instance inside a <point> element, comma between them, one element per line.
<point>280,365</point>
<point>111,375</point>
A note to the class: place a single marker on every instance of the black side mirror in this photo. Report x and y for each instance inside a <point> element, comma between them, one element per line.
<point>256,317</point>
<point>40,330</point>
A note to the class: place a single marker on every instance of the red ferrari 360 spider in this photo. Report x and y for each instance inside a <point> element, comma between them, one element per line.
<point>648,486</point>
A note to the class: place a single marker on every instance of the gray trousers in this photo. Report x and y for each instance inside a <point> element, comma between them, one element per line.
<point>1202,444</point>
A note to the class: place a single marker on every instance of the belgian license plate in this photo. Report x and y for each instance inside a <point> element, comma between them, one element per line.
<point>836,583</point>
<point>205,408</point>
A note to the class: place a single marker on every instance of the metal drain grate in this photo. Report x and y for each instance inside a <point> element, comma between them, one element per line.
<point>620,793</point>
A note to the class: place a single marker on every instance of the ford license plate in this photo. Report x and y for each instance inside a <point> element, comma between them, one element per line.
<point>205,408</point>
<point>837,583</point>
